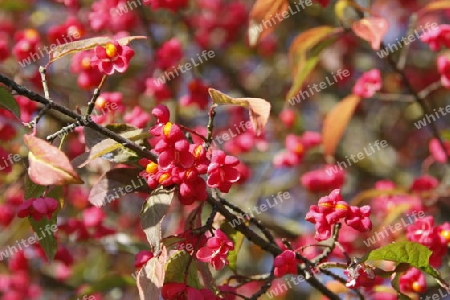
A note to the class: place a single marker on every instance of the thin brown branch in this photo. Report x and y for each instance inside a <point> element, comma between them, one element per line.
<point>87,122</point>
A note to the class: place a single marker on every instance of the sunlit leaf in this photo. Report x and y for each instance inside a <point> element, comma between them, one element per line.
<point>412,253</point>
<point>48,164</point>
<point>259,108</point>
<point>237,238</point>
<point>336,122</point>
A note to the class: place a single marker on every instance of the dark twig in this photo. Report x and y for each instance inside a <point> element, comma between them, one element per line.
<point>212,114</point>
<point>419,99</point>
<point>265,287</point>
<point>252,220</point>
<point>272,248</point>
<point>21,90</point>
<point>216,203</point>
<point>36,119</point>
<point>404,52</point>
<point>330,249</point>
<point>91,103</point>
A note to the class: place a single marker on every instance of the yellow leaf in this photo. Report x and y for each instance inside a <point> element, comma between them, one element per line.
<point>336,122</point>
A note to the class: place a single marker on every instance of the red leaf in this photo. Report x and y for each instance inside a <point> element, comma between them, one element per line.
<point>371,29</point>
<point>48,164</point>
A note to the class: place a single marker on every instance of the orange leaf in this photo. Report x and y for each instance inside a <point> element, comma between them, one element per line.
<point>336,122</point>
<point>263,13</point>
<point>435,5</point>
<point>48,164</point>
<point>305,41</point>
<point>372,30</point>
<point>304,54</point>
<point>259,108</point>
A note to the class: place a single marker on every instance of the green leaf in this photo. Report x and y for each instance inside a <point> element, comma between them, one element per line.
<point>411,253</point>
<point>171,240</point>
<point>45,228</point>
<point>237,238</point>
<point>8,102</point>
<point>33,190</point>
<point>445,134</point>
<point>177,267</point>
<point>46,240</point>
<point>15,5</point>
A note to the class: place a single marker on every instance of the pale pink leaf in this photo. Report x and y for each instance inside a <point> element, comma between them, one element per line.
<point>48,164</point>
<point>372,30</point>
<point>150,278</point>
